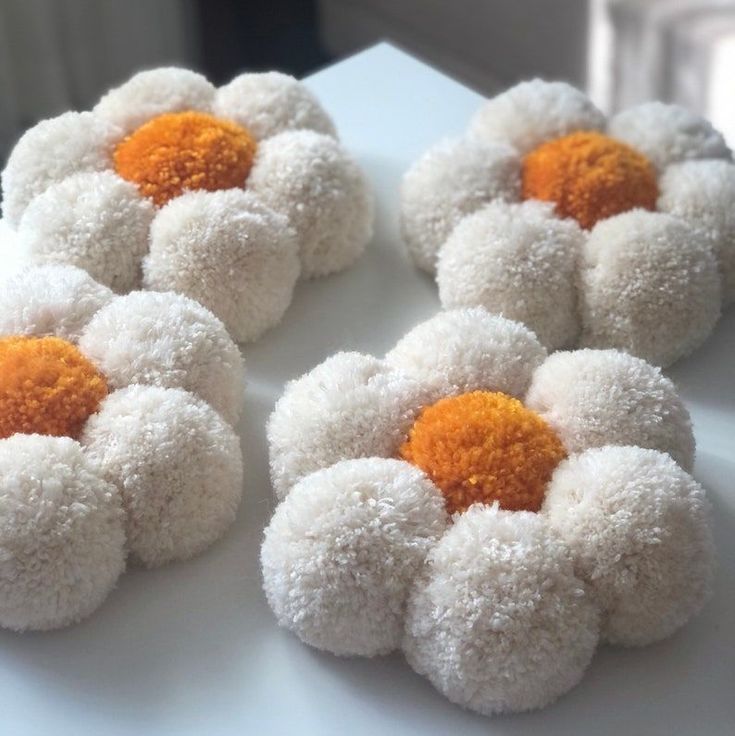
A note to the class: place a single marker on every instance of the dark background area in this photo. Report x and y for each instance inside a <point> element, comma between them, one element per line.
<point>280,34</point>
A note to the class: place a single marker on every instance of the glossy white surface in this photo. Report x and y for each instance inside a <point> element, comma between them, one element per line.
<point>193,649</point>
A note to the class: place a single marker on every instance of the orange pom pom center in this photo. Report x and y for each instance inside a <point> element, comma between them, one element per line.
<point>589,176</point>
<point>181,151</point>
<point>483,447</point>
<point>46,387</point>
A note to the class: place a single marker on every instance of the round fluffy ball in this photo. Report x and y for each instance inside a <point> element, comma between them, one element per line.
<point>650,286</point>
<point>342,551</point>
<point>62,542</point>
<point>518,260</point>
<point>50,300</point>
<point>668,133</point>
<point>95,221</point>
<point>462,350</point>
<point>177,465</point>
<point>638,528</point>
<point>605,397</point>
<point>349,406</point>
<point>452,179</point>
<point>498,621</point>
<point>310,178</point>
<point>228,251</point>
<point>167,340</point>
<point>267,103</point>
<point>703,192</point>
<point>533,112</point>
<point>49,152</point>
<point>155,92</point>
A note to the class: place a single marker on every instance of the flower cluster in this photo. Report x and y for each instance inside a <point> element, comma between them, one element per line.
<point>599,233</point>
<point>116,439</point>
<point>491,511</point>
<point>226,195</point>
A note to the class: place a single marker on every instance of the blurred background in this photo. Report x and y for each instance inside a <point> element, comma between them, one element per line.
<point>57,55</point>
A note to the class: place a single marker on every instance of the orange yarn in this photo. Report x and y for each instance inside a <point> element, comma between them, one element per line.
<point>178,151</point>
<point>46,387</point>
<point>484,447</point>
<point>589,176</point>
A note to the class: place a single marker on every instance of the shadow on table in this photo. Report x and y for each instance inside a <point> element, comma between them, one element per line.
<point>706,376</point>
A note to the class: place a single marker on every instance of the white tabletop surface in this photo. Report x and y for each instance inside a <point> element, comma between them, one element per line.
<point>192,648</point>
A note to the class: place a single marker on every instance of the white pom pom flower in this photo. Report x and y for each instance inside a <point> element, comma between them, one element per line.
<point>593,233</point>
<point>492,512</point>
<point>224,195</point>
<point>116,439</point>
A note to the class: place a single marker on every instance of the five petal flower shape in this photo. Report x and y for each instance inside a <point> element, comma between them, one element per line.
<point>116,439</point>
<point>596,233</point>
<point>491,511</point>
<point>226,195</point>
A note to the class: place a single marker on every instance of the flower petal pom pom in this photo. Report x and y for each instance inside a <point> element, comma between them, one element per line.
<point>492,512</point>
<point>62,533</point>
<point>224,195</point>
<point>605,234</point>
<point>116,439</point>
<point>499,622</point>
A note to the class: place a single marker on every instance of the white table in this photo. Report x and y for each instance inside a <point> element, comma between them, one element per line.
<point>192,648</point>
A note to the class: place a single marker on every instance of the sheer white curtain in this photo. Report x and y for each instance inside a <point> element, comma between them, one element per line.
<point>679,51</point>
<point>57,55</point>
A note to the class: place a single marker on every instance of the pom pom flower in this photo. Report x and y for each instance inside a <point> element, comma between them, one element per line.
<point>225,195</point>
<point>116,439</point>
<point>594,233</point>
<point>492,512</point>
